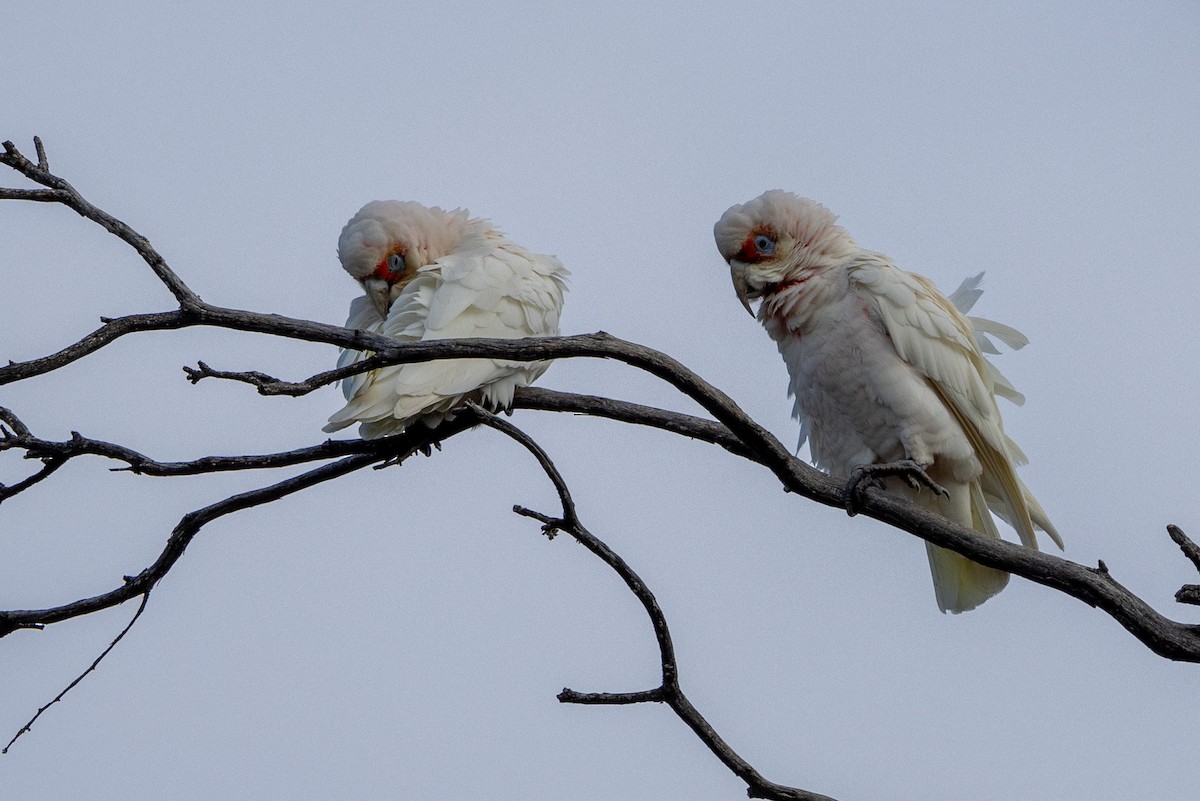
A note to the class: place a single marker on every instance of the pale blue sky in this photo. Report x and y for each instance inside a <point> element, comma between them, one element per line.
<point>401,634</point>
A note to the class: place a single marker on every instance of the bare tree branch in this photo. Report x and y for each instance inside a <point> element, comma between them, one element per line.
<point>731,430</point>
<point>111,330</point>
<point>95,663</point>
<point>180,538</point>
<point>34,195</point>
<point>1188,593</point>
<point>43,162</point>
<point>1165,637</point>
<point>686,425</point>
<point>68,196</point>
<point>670,691</point>
<point>57,453</point>
<point>1190,549</point>
<point>48,468</point>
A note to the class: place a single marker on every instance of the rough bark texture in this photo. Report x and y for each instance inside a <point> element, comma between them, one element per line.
<point>730,429</point>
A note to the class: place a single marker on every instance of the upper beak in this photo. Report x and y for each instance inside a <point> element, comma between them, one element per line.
<point>379,292</point>
<point>741,286</point>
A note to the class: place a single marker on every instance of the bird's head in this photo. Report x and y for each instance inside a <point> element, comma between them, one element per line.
<point>388,241</point>
<point>774,239</point>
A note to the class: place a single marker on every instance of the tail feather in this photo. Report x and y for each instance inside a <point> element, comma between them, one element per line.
<point>959,584</point>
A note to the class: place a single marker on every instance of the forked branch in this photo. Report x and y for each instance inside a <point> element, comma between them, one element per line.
<point>669,691</point>
<point>731,429</point>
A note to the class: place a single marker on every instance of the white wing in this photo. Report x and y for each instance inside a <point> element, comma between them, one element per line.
<point>494,289</point>
<point>363,316</point>
<point>939,341</point>
<point>964,298</point>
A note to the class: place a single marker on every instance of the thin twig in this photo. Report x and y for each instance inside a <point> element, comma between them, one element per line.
<point>532,398</point>
<point>386,450</point>
<point>28,726</point>
<point>180,538</point>
<point>57,452</point>
<point>48,468</point>
<point>109,332</point>
<point>40,173</point>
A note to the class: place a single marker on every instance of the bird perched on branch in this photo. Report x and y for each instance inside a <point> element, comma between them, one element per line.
<point>427,274</point>
<point>884,368</point>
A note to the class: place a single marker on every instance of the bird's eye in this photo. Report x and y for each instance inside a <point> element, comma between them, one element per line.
<point>764,244</point>
<point>395,263</point>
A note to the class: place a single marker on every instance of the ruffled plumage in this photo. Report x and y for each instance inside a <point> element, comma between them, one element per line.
<point>884,367</point>
<point>463,279</point>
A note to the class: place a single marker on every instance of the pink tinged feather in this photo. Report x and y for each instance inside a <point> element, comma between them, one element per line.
<point>883,366</point>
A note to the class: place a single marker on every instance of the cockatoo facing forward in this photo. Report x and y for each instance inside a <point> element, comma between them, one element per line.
<point>885,368</point>
<point>434,274</point>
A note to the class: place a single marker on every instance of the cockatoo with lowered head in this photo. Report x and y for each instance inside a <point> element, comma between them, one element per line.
<point>885,368</point>
<point>426,274</point>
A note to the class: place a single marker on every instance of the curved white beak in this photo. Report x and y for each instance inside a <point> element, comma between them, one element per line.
<point>379,292</point>
<point>741,286</point>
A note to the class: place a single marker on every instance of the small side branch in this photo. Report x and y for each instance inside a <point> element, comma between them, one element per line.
<point>569,696</point>
<point>177,543</point>
<point>670,692</point>
<point>270,385</point>
<point>67,195</point>
<point>40,149</point>
<point>28,726</point>
<point>56,453</point>
<point>1190,549</point>
<point>111,330</point>
<point>48,468</point>
<point>1188,593</point>
<point>387,451</point>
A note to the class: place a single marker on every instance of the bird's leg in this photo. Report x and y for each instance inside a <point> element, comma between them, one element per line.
<point>872,475</point>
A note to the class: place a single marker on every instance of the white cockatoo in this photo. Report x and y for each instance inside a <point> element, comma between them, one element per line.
<point>885,368</point>
<point>434,274</point>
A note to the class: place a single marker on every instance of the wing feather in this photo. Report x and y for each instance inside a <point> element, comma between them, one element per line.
<point>936,338</point>
<point>487,290</point>
<point>363,316</point>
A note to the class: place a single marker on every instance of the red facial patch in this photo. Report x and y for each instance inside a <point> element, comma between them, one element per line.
<point>385,272</point>
<point>749,252</point>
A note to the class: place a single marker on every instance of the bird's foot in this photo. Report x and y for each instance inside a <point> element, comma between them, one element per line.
<point>872,475</point>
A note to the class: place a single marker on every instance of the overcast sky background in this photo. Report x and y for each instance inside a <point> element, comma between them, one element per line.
<point>401,634</point>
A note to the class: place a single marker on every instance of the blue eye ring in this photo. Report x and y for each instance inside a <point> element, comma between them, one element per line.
<point>395,263</point>
<point>764,244</point>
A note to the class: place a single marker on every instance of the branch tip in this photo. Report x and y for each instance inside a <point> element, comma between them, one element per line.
<point>551,526</point>
<point>1189,548</point>
<point>656,696</point>
<point>43,162</point>
<point>29,725</point>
